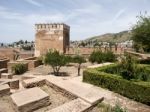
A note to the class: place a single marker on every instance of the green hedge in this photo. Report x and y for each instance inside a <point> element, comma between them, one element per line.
<point>139,91</point>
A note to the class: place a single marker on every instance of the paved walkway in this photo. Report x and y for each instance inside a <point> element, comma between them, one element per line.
<point>112,98</point>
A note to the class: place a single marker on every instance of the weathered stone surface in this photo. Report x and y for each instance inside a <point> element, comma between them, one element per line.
<point>76,105</point>
<point>33,82</point>
<point>6,76</point>
<point>3,70</point>
<point>30,99</point>
<point>13,83</point>
<point>4,89</point>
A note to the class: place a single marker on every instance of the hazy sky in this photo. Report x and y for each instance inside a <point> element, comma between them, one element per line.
<point>86,17</point>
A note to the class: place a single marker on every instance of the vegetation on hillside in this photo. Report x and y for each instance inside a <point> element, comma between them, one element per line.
<point>112,37</point>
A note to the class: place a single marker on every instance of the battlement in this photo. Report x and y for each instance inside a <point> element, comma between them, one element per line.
<point>52,26</point>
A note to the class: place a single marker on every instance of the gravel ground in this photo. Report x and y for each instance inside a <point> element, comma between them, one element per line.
<point>65,71</point>
<point>6,104</point>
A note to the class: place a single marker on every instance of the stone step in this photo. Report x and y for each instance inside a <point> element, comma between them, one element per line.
<point>6,76</point>
<point>3,70</point>
<point>77,105</point>
<point>30,99</point>
<point>4,89</point>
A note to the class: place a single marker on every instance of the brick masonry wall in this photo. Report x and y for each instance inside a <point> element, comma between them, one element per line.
<point>89,50</point>
<point>3,63</point>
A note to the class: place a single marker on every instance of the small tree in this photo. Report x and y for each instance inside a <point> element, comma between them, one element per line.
<point>55,60</point>
<point>78,59</point>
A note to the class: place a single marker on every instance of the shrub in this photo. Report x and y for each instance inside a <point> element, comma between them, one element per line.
<point>129,69</point>
<point>109,56</point>
<point>138,91</point>
<point>118,108</point>
<point>99,56</point>
<point>19,68</point>
<point>108,108</point>
<point>142,72</point>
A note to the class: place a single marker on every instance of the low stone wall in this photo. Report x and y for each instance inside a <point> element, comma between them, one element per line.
<point>58,89</point>
<point>32,62</point>
<point>3,63</point>
<point>37,82</point>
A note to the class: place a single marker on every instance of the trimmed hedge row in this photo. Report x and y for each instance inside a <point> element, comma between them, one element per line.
<point>135,90</point>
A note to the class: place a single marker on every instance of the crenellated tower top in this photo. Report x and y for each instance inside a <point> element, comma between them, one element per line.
<point>52,26</point>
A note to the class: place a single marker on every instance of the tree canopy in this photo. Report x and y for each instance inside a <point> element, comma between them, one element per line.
<point>141,34</point>
<point>78,59</point>
<point>55,60</point>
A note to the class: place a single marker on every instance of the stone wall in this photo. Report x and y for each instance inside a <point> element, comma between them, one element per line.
<point>26,54</point>
<point>7,53</point>
<point>89,50</point>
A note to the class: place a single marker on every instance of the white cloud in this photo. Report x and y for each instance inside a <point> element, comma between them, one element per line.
<point>34,2</point>
<point>119,13</point>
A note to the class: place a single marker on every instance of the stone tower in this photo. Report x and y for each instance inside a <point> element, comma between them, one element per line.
<point>51,36</point>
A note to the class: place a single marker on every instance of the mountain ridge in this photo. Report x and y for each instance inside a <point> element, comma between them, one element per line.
<point>112,37</point>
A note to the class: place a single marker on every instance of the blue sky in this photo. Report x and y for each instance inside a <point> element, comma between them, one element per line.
<point>86,17</point>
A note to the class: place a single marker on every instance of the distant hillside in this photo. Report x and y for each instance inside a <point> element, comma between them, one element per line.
<point>112,37</point>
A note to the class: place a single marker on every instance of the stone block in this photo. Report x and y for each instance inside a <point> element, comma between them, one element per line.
<point>6,76</point>
<point>30,99</point>
<point>3,70</point>
<point>13,83</point>
<point>33,82</point>
<point>76,105</point>
<point>4,89</point>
